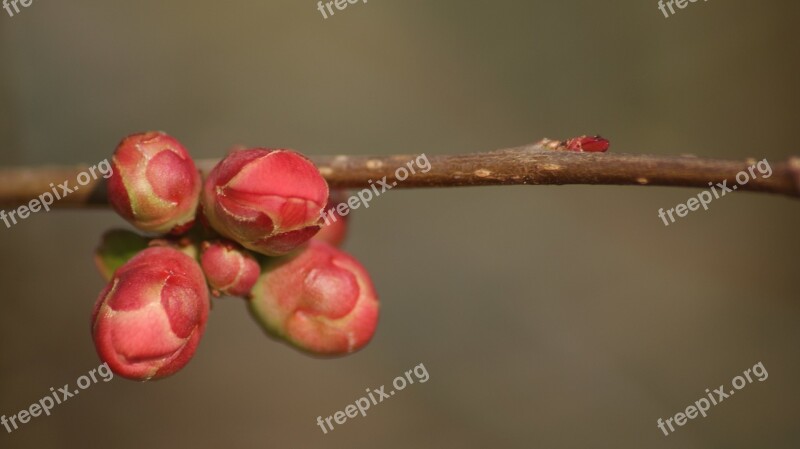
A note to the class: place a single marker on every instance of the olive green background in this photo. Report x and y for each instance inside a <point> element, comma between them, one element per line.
<point>556,317</point>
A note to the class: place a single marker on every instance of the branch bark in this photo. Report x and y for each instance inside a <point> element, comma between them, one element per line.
<point>535,164</point>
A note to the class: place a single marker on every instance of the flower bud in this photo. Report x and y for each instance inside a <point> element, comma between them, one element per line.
<point>229,268</point>
<point>592,144</point>
<point>269,201</point>
<point>155,184</point>
<point>148,320</point>
<point>321,301</point>
<point>334,226</point>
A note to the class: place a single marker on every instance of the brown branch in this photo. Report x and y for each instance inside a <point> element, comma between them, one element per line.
<point>536,164</point>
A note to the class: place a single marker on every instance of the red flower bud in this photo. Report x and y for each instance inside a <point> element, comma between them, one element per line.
<point>155,184</point>
<point>148,321</point>
<point>334,227</point>
<point>269,201</point>
<point>229,269</point>
<point>592,144</point>
<point>321,301</point>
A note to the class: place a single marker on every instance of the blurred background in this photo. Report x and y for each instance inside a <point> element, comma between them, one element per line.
<point>546,316</point>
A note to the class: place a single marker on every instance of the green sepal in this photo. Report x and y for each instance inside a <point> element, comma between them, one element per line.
<point>117,246</point>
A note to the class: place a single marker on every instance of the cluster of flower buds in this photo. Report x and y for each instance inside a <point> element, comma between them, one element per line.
<point>260,236</point>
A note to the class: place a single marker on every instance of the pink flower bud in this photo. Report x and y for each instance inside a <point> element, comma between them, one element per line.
<point>321,301</point>
<point>593,144</point>
<point>148,321</point>
<point>155,185</point>
<point>269,201</point>
<point>334,226</point>
<point>229,269</point>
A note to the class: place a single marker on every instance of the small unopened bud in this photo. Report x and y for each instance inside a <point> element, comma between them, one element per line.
<point>267,200</point>
<point>321,300</point>
<point>155,185</point>
<point>229,268</point>
<point>591,144</point>
<point>148,321</point>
